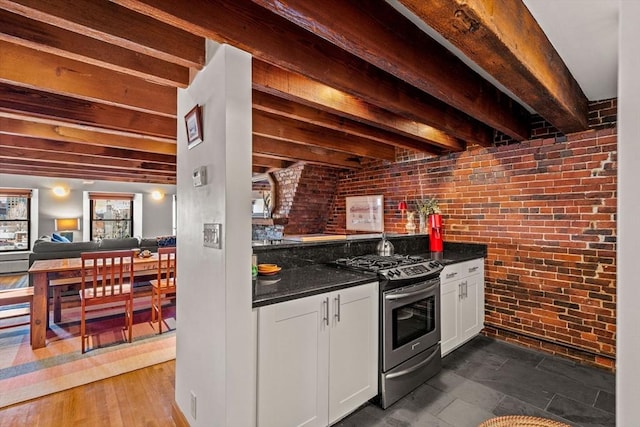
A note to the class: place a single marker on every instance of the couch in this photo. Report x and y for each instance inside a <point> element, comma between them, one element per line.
<point>45,248</point>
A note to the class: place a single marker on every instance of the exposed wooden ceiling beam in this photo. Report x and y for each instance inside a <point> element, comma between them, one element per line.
<point>335,83</point>
<point>20,100</point>
<point>108,153</point>
<point>33,148</point>
<point>375,32</point>
<point>109,22</point>
<point>276,149</point>
<point>73,78</point>
<point>506,41</point>
<point>295,87</point>
<point>275,40</point>
<point>60,131</point>
<point>58,41</point>
<point>286,108</point>
<point>283,128</point>
<point>259,169</point>
<point>39,168</point>
<point>270,163</point>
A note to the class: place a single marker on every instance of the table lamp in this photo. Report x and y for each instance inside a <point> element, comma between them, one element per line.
<point>66,226</point>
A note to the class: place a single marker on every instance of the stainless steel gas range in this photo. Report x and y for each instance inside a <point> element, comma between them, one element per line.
<point>409,320</point>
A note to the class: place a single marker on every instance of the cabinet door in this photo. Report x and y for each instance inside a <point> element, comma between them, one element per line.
<point>472,306</point>
<point>353,366</point>
<point>293,363</point>
<point>449,315</point>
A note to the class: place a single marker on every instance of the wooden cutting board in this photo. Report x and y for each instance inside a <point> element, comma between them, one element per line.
<point>315,237</point>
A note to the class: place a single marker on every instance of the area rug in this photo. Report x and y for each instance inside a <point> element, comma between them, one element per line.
<point>14,280</point>
<point>27,374</point>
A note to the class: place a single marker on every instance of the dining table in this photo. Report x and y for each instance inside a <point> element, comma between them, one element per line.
<point>42,271</point>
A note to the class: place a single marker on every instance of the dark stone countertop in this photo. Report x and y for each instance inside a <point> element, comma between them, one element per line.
<point>456,252</point>
<point>300,282</point>
<point>303,275</point>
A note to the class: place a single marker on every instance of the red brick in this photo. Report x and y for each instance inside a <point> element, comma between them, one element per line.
<point>545,209</point>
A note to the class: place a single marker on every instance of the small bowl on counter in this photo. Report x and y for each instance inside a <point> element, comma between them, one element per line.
<point>268,269</point>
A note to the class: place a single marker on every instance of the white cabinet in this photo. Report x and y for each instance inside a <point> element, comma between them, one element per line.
<point>317,357</point>
<point>353,355</point>
<point>461,303</point>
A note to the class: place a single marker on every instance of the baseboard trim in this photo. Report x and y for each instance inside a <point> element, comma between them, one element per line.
<point>178,416</point>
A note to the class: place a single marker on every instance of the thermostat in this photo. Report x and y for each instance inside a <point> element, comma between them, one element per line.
<point>200,176</point>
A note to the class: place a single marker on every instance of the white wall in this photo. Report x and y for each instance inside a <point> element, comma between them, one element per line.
<point>215,339</point>
<point>628,340</point>
<point>154,220</point>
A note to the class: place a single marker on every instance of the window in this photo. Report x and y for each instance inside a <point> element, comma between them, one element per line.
<point>15,226</point>
<point>111,216</point>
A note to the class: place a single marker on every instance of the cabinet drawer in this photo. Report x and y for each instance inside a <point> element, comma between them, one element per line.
<point>461,270</point>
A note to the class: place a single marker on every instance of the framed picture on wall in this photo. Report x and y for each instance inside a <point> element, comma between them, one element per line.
<point>365,213</point>
<point>193,121</point>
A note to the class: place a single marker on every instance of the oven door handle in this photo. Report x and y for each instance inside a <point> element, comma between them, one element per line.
<point>415,367</point>
<point>410,294</point>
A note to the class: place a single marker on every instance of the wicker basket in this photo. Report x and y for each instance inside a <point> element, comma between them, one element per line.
<point>521,421</point>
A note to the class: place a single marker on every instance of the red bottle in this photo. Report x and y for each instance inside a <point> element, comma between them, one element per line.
<point>435,233</point>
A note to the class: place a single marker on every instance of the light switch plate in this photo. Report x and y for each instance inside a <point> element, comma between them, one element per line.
<point>212,235</point>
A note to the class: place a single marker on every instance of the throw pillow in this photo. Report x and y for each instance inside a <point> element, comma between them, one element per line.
<point>55,237</point>
<point>164,241</point>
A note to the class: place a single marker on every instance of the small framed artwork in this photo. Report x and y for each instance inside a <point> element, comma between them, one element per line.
<point>365,213</point>
<point>193,121</point>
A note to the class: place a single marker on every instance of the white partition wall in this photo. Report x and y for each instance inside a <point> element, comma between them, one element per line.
<point>628,340</point>
<point>215,364</point>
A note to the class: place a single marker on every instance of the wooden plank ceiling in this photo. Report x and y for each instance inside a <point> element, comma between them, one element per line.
<point>88,87</point>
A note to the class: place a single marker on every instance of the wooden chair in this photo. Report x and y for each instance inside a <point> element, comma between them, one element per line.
<point>106,278</point>
<point>165,284</point>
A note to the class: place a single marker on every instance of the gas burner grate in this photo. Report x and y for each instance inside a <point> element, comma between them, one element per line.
<point>379,262</point>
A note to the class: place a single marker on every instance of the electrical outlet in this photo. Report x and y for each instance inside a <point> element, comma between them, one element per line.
<point>193,405</point>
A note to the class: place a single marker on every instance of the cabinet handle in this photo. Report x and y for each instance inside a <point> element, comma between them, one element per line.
<point>450,275</point>
<point>326,310</point>
<point>465,288</point>
<point>472,269</point>
<point>338,307</point>
<point>460,294</point>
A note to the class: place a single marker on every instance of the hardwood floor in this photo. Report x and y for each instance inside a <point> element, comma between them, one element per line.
<point>139,398</point>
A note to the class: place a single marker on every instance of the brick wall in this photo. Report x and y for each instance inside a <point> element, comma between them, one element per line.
<point>305,193</point>
<point>547,210</point>
<point>602,115</point>
<point>287,182</point>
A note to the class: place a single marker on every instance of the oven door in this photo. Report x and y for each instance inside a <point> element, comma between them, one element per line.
<point>411,321</point>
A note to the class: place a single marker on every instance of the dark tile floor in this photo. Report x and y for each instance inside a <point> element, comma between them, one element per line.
<point>486,378</point>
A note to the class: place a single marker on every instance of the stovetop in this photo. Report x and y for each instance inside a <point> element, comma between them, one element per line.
<point>394,267</point>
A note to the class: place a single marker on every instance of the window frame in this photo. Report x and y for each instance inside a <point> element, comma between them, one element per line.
<point>93,197</point>
<point>19,193</point>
